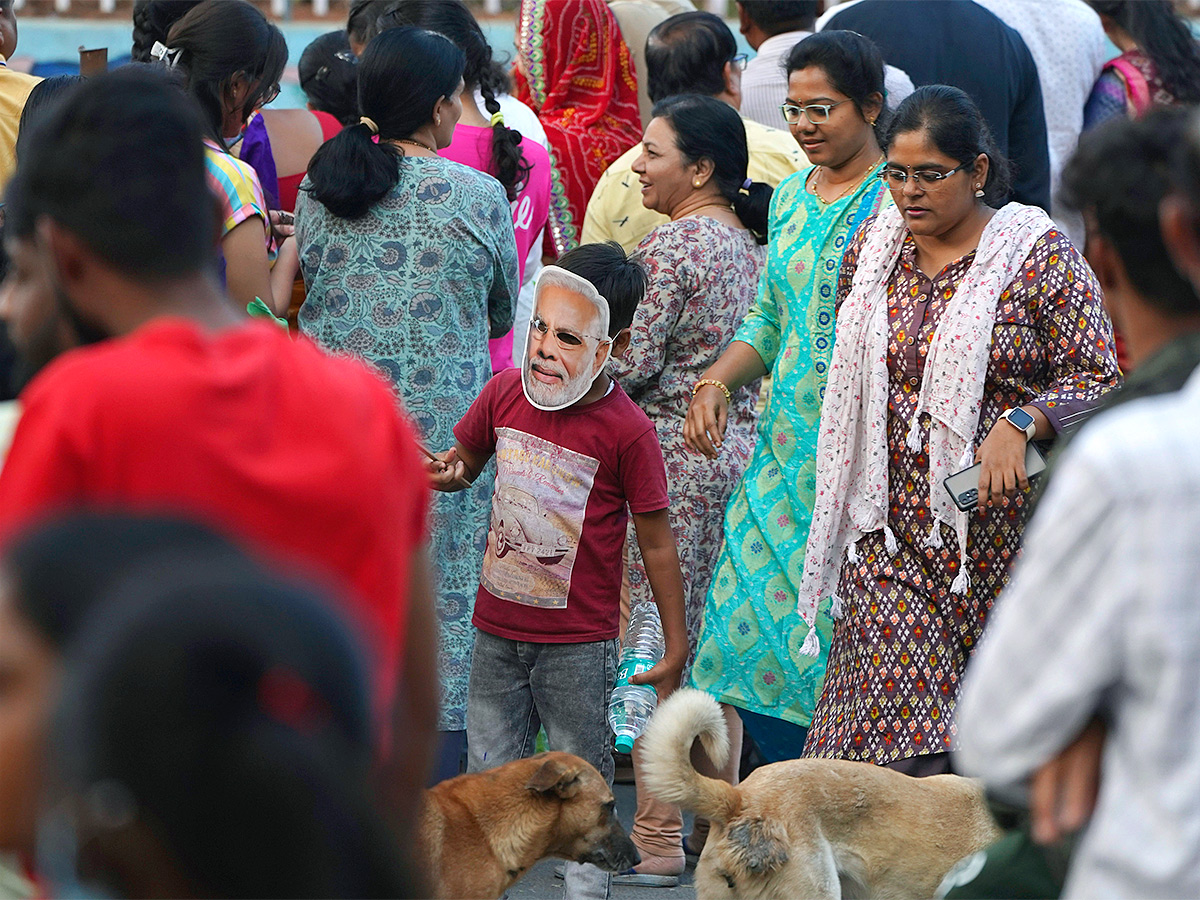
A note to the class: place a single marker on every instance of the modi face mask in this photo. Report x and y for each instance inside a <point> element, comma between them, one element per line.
<point>566,342</point>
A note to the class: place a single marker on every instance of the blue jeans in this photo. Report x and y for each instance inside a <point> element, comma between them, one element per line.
<point>517,687</point>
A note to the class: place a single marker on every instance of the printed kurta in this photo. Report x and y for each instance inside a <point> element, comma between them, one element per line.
<point>703,277</point>
<point>903,642</point>
<point>411,288</point>
<point>748,650</point>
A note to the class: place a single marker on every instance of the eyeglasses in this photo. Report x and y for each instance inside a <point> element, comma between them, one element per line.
<point>568,340</point>
<point>928,179</point>
<point>739,61</point>
<point>269,96</point>
<point>817,113</point>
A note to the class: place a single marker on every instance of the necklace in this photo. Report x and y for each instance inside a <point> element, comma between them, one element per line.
<point>416,144</point>
<point>812,189</point>
<point>706,206</point>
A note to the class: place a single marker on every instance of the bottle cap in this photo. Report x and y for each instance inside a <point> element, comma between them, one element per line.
<point>624,743</point>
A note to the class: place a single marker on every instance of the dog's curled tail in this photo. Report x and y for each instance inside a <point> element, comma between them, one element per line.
<point>666,751</point>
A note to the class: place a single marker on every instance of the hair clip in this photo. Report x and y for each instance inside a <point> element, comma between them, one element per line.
<point>746,185</point>
<point>163,53</point>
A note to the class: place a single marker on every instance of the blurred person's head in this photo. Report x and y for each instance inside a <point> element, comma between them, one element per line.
<point>8,28</point>
<point>41,100</point>
<point>108,206</point>
<point>453,19</point>
<point>152,21</point>
<point>213,738</point>
<point>1119,176</point>
<point>409,87</point>
<point>328,72</point>
<point>694,150</point>
<point>51,577</point>
<point>362,22</point>
<point>231,59</point>
<point>1179,211</point>
<point>1157,29</point>
<point>834,105</point>
<point>693,52</point>
<point>942,164</point>
<point>762,19</point>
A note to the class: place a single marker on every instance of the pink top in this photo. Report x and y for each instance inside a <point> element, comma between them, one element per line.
<point>472,146</point>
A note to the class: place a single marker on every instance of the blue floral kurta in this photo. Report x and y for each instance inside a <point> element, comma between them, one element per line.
<point>411,288</point>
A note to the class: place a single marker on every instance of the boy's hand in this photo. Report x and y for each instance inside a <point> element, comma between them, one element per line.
<point>446,471</point>
<point>664,677</point>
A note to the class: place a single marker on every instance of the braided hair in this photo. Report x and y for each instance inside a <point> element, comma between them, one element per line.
<point>454,20</point>
<point>152,19</point>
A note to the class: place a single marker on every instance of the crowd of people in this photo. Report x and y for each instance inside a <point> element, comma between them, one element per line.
<point>347,438</point>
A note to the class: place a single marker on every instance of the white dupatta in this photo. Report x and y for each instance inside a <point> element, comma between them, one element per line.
<point>852,447</point>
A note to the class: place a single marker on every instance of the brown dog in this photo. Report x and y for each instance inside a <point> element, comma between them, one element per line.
<point>480,833</point>
<point>812,828</point>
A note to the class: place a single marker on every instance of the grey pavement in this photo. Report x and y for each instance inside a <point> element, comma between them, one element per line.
<point>540,883</point>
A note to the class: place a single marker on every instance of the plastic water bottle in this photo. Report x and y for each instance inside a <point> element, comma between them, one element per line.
<point>631,704</point>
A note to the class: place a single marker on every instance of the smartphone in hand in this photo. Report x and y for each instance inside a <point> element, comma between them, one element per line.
<point>964,486</point>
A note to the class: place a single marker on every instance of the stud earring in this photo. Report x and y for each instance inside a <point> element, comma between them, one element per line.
<point>696,183</point>
<point>978,191</point>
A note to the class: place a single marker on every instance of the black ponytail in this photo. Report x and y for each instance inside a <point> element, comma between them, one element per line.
<point>1164,36</point>
<point>402,74</point>
<point>706,128</point>
<point>453,19</point>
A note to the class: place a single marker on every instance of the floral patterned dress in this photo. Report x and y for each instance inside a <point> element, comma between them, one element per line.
<point>703,276</point>
<point>902,644</point>
<point>411,287</point>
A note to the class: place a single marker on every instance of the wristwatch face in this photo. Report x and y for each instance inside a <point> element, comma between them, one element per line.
<point>1020,418</point>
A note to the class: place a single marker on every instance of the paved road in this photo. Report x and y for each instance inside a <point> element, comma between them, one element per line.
<point>540,883</point>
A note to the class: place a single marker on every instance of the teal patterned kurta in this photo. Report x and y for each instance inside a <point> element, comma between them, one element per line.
<point>748,652</point>
<point>410,288</point>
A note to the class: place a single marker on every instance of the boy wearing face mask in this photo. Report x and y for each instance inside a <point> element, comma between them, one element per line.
<point>573,452</point>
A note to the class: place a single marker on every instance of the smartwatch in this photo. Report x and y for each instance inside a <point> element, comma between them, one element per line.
<point>1020,420</point>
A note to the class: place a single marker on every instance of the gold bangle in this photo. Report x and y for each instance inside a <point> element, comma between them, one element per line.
<point>703,381</point>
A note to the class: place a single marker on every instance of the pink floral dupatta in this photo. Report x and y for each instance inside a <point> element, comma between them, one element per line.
<point>852,447</point>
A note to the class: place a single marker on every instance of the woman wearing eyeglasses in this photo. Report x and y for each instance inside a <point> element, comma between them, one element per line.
<point>750,633</point>
<point>231,59</point>
<point>964,331</point>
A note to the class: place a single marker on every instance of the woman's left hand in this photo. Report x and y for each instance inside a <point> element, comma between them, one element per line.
<point>1002,454</point>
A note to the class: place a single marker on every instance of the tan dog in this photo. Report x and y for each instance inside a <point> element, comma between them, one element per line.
<point>480,833</point>
<point>811,828</point>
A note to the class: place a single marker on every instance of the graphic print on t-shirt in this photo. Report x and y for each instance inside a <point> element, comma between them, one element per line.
<point>538,508</point>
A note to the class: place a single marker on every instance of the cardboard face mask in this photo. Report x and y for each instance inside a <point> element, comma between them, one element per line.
<point>562,340</point>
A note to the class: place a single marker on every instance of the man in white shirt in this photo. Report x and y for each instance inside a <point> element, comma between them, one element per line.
<point>1067,42</point>
<point>1099,630</point>
<point>772,28</point>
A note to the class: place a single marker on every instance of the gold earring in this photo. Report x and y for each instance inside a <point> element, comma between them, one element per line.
<point>696,183</point>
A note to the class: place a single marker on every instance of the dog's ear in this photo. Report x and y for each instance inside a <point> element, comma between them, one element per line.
<point>556,777</point>
<point>760,847</point>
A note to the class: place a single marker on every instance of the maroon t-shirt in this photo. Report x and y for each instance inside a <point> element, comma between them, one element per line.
<point>552,569</point>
